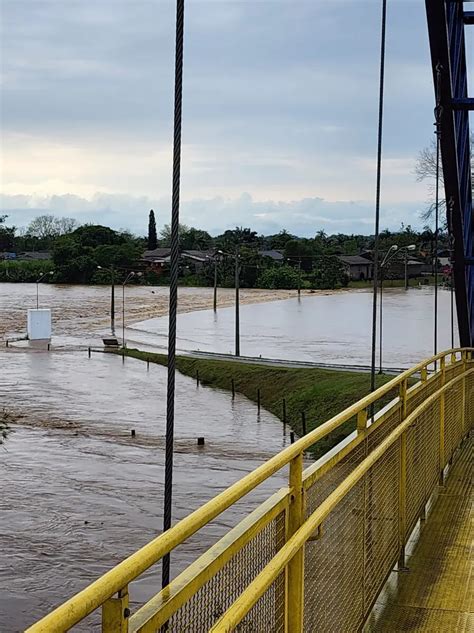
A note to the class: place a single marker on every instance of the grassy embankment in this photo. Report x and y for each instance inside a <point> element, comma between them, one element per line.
<point>320,393</point>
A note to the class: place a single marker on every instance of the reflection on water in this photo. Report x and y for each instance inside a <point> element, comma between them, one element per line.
<point>82,494</point>
<point>331,328</point>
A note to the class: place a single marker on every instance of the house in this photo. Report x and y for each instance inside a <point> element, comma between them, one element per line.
<point>277,256</point>
<point>158,258</point>
<point>356,266</point>
<point>30,256</point>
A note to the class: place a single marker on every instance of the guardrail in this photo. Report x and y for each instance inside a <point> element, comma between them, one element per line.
<point>316,554</point>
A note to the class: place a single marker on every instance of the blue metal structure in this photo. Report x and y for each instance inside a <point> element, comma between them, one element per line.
<point>446,25</point>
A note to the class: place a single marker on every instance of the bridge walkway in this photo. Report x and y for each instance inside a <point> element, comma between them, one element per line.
<point>437,591</point>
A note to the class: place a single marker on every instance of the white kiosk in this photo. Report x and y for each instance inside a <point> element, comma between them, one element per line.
<point>39,324</point>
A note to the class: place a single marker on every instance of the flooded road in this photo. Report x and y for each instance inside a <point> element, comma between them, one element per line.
<point>84,311</point>
<point>80,493</point>
<point>330,328</point>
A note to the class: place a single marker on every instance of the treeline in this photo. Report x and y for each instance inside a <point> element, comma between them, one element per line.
<point>85,254</point>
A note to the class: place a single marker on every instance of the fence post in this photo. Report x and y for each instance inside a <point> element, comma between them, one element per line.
<point>402,516</point>
<point>294,576</point>
<point>424,374</point>
<point>362,421</point>
<point>442,424</point>
<point>303,422</point>
<point>115,613</point>
<point>284,410</point>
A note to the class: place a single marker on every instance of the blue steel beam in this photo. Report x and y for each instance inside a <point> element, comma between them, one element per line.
<point>446,19</point>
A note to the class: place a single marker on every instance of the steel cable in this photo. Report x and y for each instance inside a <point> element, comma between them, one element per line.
<point>174,265</point>
<point>377,193</point>
<point>438,114</point>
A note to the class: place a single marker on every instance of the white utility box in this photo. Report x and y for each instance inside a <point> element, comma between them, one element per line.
<point>39,324</point>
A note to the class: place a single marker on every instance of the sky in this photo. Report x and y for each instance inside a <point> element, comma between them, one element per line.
<point>279,113</point>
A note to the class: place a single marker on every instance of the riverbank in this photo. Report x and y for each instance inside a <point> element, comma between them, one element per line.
<point>319,393</point>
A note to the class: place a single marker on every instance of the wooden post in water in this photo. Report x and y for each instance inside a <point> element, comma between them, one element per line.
<point>303,422</point>
<point>284,410</point>
<point>233,388</point>
<point>258,400</point>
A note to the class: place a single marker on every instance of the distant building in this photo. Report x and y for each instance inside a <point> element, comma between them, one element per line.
<point>357,267</point>
<point>34,256</point>
<point>277,256</point>
<point>159,258</point>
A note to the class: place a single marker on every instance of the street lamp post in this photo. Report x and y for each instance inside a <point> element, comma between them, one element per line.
<point>111,270</point>
<point>388,256</point>
<point>216,261</point>
<point>127,279</point>
<point>37,285</point>
<point>237,299</point>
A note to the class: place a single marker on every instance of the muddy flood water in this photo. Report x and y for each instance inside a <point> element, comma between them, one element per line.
<point>80,493</point>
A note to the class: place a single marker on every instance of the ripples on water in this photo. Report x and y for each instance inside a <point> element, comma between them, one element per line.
<point>78,499</point>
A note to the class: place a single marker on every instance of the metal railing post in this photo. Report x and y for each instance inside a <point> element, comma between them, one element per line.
<point>402,502</point>
<point>442,424</point>
<point>464,399</point>
<point>115,613</point>
<point>294,593</point>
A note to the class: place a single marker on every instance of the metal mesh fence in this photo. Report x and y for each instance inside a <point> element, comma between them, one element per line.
<point>418,394</point>
<point>453,427</point>
<point>262,618</point>
<point>207,605</point>
<point>347,565</point>
<point>422,468</point>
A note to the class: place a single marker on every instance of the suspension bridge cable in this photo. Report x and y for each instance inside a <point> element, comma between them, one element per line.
<point>174,266</point>
<point>438,113</point>
<point>377,192</point>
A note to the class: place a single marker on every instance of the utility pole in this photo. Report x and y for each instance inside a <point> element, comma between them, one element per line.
<point>299,277</point>
<point>112,300</point>
<point>237,307</point>
<point>215,283</point>
<point>406,269</point>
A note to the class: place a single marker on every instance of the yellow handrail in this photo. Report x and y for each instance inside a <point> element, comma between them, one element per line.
<point>267,576</point>
<point>96,594</point>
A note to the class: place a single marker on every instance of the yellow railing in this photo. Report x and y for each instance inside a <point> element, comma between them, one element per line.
<point>316,554</point>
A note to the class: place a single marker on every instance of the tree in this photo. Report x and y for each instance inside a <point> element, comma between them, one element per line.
<point>7,235</point>
<point>165,233</point>
<point>425,169</point>
<point>276,277</point>
<point>152,237</point>
<point>329,272</point>
<point>47,227</point>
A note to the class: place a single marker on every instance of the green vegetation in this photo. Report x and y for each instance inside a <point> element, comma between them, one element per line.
<point>320,393</point>
<point>23,271</point>
<point>85,254</point>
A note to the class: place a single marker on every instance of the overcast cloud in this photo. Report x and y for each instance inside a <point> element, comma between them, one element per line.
<point>279,119</point>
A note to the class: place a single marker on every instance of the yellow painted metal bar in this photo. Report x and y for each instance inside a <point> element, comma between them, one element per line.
<point>268,575</point>
<point>295,572</point>
<point>115,613</point>
<point>159,609</point>
<point>93,596</point>
<point>402,502</point>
